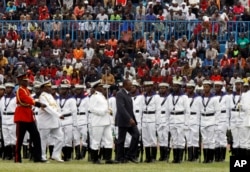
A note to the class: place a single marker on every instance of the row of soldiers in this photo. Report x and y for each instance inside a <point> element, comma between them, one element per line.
<point>172,118</point>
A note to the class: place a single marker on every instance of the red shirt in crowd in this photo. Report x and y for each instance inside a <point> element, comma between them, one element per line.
<point>109,53</point>
<point>238,9</point>
<point>215,78</point>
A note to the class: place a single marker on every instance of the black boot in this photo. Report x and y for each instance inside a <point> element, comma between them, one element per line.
<point>94,157</point>
<point>180,153</point>
<point>217,154</point>
<point>31,152</point>
<point>89,154</point>
<point>163,153</point>
<point>101,154</point>
<point>176,156</point>
<point>108,156</point>
<point>51,147</point>
<point>10,153</point>
<point>211,155</point>
<point>83,152</point>
<point>70,153</point>
<point>205,154</point>
<point>148,157</point>
<point>196,154</point>
<point>168,150</point>
<point>222,154</point>
<point>153,153</point>
<point>77,152</point>
<point>190,154</point>
<point>64,154</point>
<point>25,152</point>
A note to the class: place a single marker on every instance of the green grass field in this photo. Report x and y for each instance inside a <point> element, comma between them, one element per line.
<point>83,165</point>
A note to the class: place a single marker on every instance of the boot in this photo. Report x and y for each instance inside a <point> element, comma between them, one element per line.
<point>168,150</point>
<point>148,157</point>
<point>180,153</point>
<point>196,154</point>
<point>94,156</point>
<point>10,152</point>
<point>163,153</point>
<point>153,153</point>
<point>126,152</point>
<point>101,153</point>
<point>217,154</point>
<point>223,154</point>
<point>83,152</point>
<point>70,152</point>
<point>31,152</point>
<point>13,147</point>
<point>89,154</point>
<point>211,155</point>
<point>175,155</point>
<point>64,152</point>
<point>108,156</point>
<point>51,147</point>
<point>77,152</point>
<point>25,152</point>
<point>190,154</point>
<point>205,154</point>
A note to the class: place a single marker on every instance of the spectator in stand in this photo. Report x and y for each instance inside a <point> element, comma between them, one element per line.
<point>140,9</point>
<point>12,34</point>
<point>238,9</point>
<point>78,52</point>
<point>74,79</point>
<point>184,8</point>
<point>186,70</point>
<point>3,61</point>
<point>68,68</point>
<point>79,10</point>
<point>190,51</point>
<point>182,42</point>
<point>241,61</point>
<point>194,60</point>
<point>243,43</point>
<point>113,42</point>
<point>11,7</point>
<point>141,44</point>
<point>108,54</point>
<point>57,42</point>
<point>130,69</point>
<point>44,15</point>
<point>89,51</point>
<point>162,44</point>
<point>212,8</point>
<point>67,43</point>
<point>108,78</point>
<point>154,51</point>
<point>214,43</point>
<point>215,76</point>
<point>211,52</point>
<point>224,62</point>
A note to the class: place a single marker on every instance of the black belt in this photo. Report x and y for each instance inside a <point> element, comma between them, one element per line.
<point>208,114</point>
<point>137,111</point>
<point>8,113</point>
<point>81,113</point>
<point>149,112</point>
<point>177,113</point>
<point>192,113</point>
<point>236,110</point>
<point>89,112</point>
<point>67,115</point>
<point>162,112</point>
<point>223,111</point>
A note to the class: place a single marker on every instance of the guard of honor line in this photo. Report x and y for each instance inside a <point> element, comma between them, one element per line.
<point>192,125</point>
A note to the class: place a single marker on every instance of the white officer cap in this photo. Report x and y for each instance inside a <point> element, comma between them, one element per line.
<point>177,83</point>
<point>9,84</point>
<point>29,88</point>
<point>246,84</point>
<point>46,83</point>
<point>190,83</point>
<point>54,86</point>
<point>2,87</point>
<point>95,84</point>
<point>207,82</point>
<point>78,86</point>
<point>218,83</point>
<point>64,86</point>
<point>163,84</point>
<point>148,83</point>
<point>239,80</point>
<point>37,84</point>
<point>135,83</point>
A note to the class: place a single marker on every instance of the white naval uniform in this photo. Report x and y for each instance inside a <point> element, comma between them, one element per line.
<point>69,111</point>
<point>246,123</point>
<point>208,115</point>
<point>150,120</point>
<point>222,121</point>
<point>163,129</point>
<point>237,117</point>
<point>80,129</point>
<point>178,111</point>
<point>138,109</point>
<point>112,106</point>
<point>50,125</point>
<point>192,131</point>
<point>7,109</point>
<point>100,122</point>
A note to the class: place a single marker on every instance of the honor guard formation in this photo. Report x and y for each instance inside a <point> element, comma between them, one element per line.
<point>97,121</point>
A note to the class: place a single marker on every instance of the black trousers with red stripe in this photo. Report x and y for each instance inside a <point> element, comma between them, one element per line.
<point>21,128</point>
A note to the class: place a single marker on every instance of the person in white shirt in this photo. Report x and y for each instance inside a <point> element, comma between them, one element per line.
<point>129,69</point>
<point>190,51</point>
<point>140,7</point>
<point>184,8</point>
<point>89,51</point>
<point>102,16</point>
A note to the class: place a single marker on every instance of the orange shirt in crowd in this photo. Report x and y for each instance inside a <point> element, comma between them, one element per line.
<point>113,43</point>
<point>57,43</point>
<point>140,43</point>
<point>78,53</point>
<point>78,11</point>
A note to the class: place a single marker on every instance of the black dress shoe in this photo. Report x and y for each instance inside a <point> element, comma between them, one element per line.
<point>111,162</point>
<point>124,161</point>
<point>97,162</point>
<point>133,160</point>
<point>41,161</point>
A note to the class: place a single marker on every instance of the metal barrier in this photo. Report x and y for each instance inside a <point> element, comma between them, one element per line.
<point>135,28</point>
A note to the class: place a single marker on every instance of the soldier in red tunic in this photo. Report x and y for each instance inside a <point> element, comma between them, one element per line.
<point>25,120</point>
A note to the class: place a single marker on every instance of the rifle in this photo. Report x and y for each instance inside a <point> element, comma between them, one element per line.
<point>141,147</point>
<point>200,137</point>
<point>88,147</point>
<point>168,148</point>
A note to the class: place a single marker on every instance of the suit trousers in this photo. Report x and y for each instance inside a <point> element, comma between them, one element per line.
<point>208,137</point>
<point>57,135</point>
<point>133,146</point>
<point>80,135</point>
<point>101,134</point>
<point>21,128</point>
<point>9,134</point>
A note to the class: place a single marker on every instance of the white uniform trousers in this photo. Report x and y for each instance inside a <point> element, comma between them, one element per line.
<point>149,138</point>
<point>51,141</point>
<point>248,138</point>
<point>221,135</point>
<point>9,134</point>
<point>192,136</point>
<point>162,132</point>
<point>57,135</point>
<point>240,137</point>
<point>80,135</point>
<point>208,137</point>
<point>101,134</point>
<point>178,136</point>
<point>68,135</point>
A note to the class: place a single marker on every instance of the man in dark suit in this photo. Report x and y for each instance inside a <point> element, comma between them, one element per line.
<point>126,122</point>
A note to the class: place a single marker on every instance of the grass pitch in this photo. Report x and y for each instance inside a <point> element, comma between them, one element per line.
<point>83,165</point>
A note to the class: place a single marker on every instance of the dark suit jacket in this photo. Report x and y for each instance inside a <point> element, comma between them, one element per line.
<point>125,111</point>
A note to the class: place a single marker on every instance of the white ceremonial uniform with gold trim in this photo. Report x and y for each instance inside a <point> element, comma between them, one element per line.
<point>50,125</point>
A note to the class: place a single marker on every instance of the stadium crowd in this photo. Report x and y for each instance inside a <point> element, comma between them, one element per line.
<point>161,41</point>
